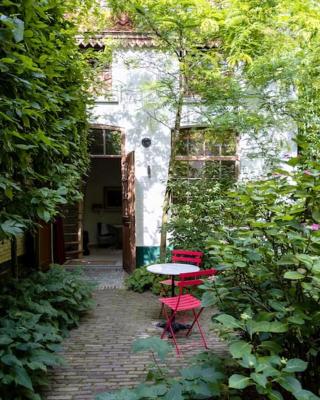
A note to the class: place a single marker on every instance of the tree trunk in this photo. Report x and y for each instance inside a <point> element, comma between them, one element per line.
<point>167,196</point>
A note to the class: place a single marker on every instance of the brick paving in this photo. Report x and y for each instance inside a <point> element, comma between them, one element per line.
<point>98,353</point>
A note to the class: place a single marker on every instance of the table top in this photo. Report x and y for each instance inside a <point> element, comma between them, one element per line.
<point>172,268</point>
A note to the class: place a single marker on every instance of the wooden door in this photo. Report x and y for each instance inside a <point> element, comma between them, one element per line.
<point>128,212</point>
<point>44,246</point>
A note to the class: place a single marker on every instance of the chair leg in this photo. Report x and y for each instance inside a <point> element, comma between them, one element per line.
<point>164,293</point>
<point>168,328</point>
<point>196,321</point>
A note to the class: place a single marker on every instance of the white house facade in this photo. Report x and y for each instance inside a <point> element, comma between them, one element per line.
<point>145,122</point>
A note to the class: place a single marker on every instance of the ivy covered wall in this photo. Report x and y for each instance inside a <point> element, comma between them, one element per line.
<point>43,111</point>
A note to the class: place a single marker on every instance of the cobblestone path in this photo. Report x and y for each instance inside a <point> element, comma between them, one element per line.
<point>98,353</point>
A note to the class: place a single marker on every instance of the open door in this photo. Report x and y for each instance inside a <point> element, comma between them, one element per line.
<point>128,212</point>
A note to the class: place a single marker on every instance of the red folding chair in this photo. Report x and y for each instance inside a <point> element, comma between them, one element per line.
<point>185,302</point>
<point>185,257</point>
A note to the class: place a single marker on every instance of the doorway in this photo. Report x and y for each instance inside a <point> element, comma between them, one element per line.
<point>104,223</point>
<point>102,217</point>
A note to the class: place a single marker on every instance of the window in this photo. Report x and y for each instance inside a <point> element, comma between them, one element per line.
<point>204,153</point>
<point>105,142</point>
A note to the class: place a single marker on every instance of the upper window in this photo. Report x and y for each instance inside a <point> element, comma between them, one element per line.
<point>105,142</point>
<point>204,153</point>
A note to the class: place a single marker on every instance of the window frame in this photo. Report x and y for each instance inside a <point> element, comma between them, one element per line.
<point>114,129</point>
<point>205,158</point>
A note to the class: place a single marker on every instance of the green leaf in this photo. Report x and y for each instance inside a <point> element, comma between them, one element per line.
<point>248,361</point>
<point>260,379</point>
<point>305,395</point>
<point>18,30</point>
<point>290,383</point>
<point>11,227</point>
<point>175,392</point>
<point>22,378</point>
<point>237,381</point>
<point>124,394</point>
<point>293,275</point>
<point>305,259</point>
<point>265,326</point>
<point>151,391</point>
<point>275,395</point>
<point>5,340</point>
<point>295,365</point>
<point>154,344</point>
<point>201,389</point>
<point>11,360</point>
<point>208,299</point>
<point>273,347</point>
<point>240,348</point>
<point>228,321</point>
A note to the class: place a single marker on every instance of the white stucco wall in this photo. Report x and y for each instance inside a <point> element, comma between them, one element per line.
<point>132,113</point>
<point>138,111</point>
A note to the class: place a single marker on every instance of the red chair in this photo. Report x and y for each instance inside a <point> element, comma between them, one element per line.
<point>185,302</point>
<point>185,257</point>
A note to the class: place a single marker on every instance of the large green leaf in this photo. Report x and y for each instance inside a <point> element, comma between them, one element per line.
<point>265,326</point>
<point>175,392</point>
<point>237,381</point>
<point>22,378</point>
<point>228,321</point>
<point>5,340</point>
<point>151,391</point>
<point>240,348</point>
<point>295,365</point>
<point>155,344</point>
<point>293,275</point>
<point>260,379</point>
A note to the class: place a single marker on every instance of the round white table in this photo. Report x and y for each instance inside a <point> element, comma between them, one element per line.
<point>172,269</point>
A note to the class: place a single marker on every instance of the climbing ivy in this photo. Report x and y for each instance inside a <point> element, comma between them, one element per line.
<point>43,111</point>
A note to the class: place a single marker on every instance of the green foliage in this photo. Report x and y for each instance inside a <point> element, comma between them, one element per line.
<point>202,379</point>
<point>268,289</point>
<point>196,213</point>
<point>142,280</point>
<point>43,111</point>
<point>154,344</point>
<point>35,315</point>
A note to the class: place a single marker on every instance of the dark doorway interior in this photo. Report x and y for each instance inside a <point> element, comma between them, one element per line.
<point>102,222</point>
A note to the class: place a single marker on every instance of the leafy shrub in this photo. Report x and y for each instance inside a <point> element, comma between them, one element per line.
<point>195,213</point>
<point>43,111</point>
<point>269,286</point>
<point>142,280</point>
<point>35,315</point>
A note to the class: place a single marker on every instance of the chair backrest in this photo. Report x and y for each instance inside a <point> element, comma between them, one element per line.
<point>187,257</point>
<point>191,279</point>
<point>194,278</point>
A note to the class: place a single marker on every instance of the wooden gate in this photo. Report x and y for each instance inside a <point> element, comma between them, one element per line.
<point>128,212</point>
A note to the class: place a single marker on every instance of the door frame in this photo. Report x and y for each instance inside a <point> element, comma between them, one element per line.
<point>122,157</point>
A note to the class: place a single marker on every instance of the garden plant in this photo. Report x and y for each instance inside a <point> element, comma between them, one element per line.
<point>35,315</point>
